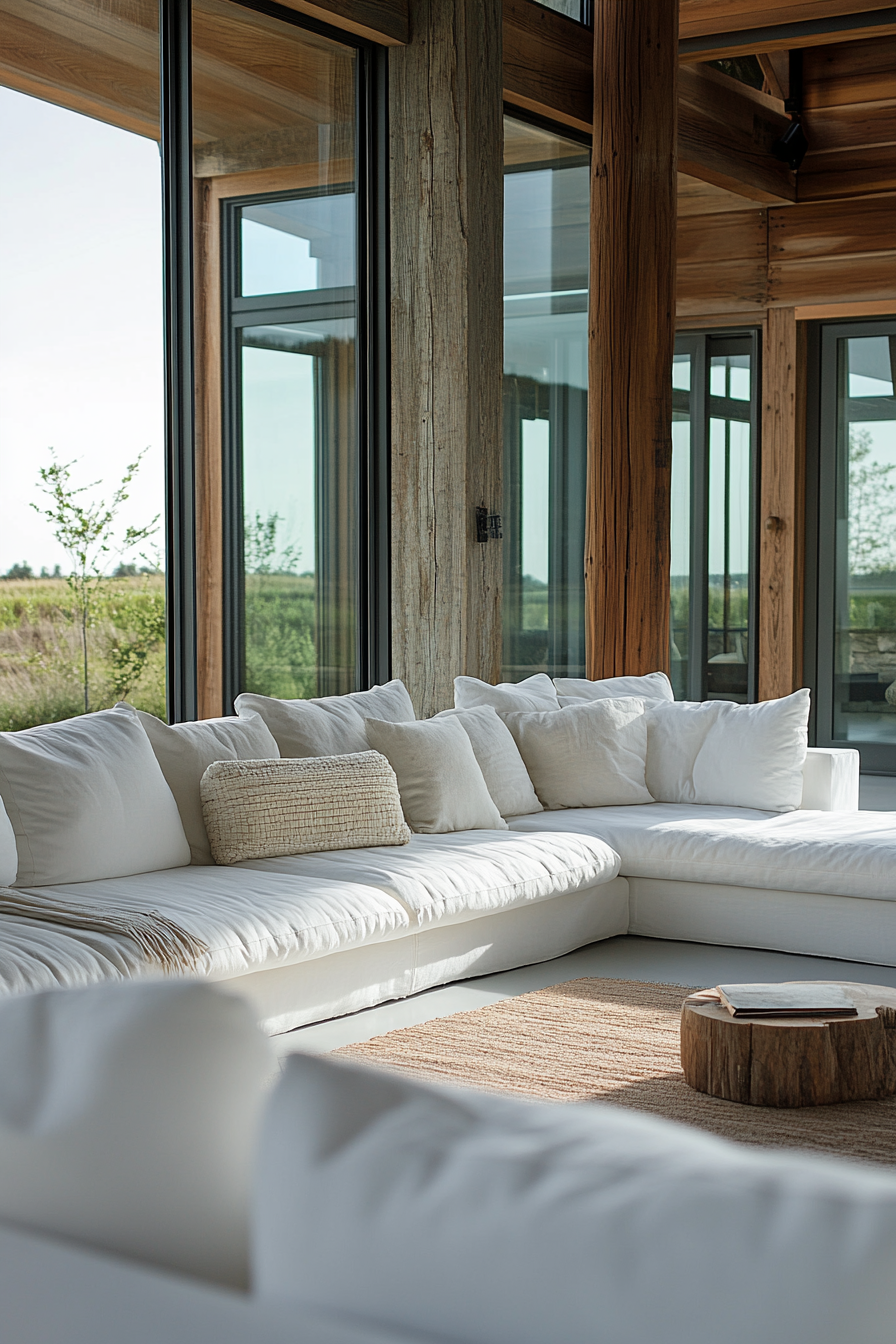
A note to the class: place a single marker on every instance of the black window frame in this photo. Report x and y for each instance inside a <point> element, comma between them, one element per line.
<point>373,344</point>
<point>700,346</point>
<point>819,634</point>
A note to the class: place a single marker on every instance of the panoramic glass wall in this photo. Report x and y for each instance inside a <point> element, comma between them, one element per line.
<point>857,541</point>
<point>82,420</point>
<point>546,191</point>
<point>714,433</point>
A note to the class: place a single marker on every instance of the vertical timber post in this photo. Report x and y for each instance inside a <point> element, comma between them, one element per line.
<point>781,506</point>
<point>631,335</point>
<point>446,226</point>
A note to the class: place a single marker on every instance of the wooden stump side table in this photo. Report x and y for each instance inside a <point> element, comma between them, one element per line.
<point>794,1061</point>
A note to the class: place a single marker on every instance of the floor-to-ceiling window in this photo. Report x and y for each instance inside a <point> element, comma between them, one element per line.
<point>855,552</point>
<point>546,194</point>
<point>276,116</point>
<point>714,467</point>
<point>82,498</point>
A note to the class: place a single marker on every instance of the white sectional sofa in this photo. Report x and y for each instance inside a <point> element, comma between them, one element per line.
<point>156,1188</point>
<point>309,936</point>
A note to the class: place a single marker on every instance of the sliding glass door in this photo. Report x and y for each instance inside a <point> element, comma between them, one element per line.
<point>856,550</point>
<point>714,473</point>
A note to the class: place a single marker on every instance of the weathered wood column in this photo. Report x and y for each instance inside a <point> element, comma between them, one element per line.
<point>446,186</point>
<point>631,332</point>
<point>781,506</point>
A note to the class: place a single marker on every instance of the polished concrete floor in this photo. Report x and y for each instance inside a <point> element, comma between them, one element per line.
<point>625,958</point>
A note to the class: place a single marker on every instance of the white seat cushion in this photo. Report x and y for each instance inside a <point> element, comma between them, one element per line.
<point>442,879</point>
<point>128,1119</point>
<point>252,920</point>
<point>493,1220</point>
<point>828,853</point>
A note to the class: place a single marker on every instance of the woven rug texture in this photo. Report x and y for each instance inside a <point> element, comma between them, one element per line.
<point>614,1041</point>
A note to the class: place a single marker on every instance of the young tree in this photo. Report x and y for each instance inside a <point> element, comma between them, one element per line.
<point>85,529</point>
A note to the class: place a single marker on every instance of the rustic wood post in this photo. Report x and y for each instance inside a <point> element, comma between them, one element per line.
<point>446,184</point>
<point>782,506</point>
<point>631,332</point>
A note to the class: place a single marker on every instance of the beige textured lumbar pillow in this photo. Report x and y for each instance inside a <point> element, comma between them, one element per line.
<point>442,787</point>
<point>264,809</point>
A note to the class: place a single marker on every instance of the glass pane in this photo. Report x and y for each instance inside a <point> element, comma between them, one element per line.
<point>729,376</point>
<point>270,96</point>
<point>299,244</point>
<point>572,8</point>
<point>545,390</point>
<point>865,596</point>
<point>81,359</point>
<point>728,542</point>
<point>681,523</point>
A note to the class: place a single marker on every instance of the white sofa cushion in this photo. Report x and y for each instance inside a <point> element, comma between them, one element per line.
<point>249,921</point>
<point>653,686</point>
<point>727,754</point>
<point>128,1117</point>
<point>591,755</point>
<point>441,785</point>
<point>332,725</point>
<point>535,692</point>
<point>443,879</point>
<point>502,766</point>
<point>831,779</point>
<point>9,854</point>
<point>261,809</point>
<point>498,1221</point>
<point>186,750</point>
<point>826,853</point>
<point>87,799</point>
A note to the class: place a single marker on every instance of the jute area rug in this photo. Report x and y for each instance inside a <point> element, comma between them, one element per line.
<point>614,1041</point>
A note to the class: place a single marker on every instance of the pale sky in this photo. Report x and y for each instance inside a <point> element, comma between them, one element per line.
<point>81,356</point>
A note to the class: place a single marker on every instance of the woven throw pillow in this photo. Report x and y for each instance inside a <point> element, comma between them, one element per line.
<point>265,809</point>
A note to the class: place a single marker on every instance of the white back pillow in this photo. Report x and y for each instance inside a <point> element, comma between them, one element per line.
<point>87,799</point>
<point>9,855</point>
<point>653,686</point>
<point>590,755</point>
<point>502,766</point>
<point>186,750</point>
<point>727,754</point>
<point>535,692</point>
<point>332,725</point>
<point>441,785</point>
<point>128,1118</point>
<point>456,1214</point>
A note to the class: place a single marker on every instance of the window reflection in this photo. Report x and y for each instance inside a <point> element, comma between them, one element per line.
<point>546,202</point>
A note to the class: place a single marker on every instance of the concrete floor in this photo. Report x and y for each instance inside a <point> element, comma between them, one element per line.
<point>626,958</point>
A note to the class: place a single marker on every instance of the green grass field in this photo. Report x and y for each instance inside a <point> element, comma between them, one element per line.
<point>41,673</point>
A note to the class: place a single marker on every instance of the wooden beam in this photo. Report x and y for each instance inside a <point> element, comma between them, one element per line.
<point>279,148</point>
<point>725,135</point>
<point>630,337</point>
<point>383,21</point>
<point>722,263</point>
<point>782,507</point>
<point>839,312</point>
<point>446,183</point>
<point>547,64</point>
<point>711,31</point>
<point>837,176</point>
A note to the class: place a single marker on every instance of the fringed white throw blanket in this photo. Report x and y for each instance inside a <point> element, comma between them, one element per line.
<point>161,942</point>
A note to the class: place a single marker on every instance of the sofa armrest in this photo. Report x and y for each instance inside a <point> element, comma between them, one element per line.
<point>831,779</point>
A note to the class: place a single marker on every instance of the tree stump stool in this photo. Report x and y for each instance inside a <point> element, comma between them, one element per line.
<point>786,1061</point>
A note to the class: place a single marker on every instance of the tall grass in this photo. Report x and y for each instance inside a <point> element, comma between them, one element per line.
<point>41,678</point>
